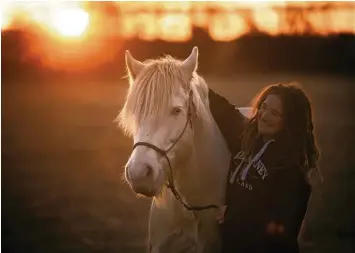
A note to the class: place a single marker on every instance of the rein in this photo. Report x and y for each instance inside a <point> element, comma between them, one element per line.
<point>170,183</point>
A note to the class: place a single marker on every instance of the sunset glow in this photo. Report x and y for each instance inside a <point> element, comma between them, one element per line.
<point>5,21</point>
<point>175,27</point>
<point>174,21</point>
<point>67,19</point>
<point>6,16</point>
<point>66,34</point>
<point>227,27</point>
<point>70,22</point>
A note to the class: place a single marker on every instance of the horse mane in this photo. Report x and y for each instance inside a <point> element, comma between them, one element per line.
<point>150,93</point>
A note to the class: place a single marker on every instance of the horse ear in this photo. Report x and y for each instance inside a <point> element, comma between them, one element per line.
<point>133,66</point>
<point>190,64</point>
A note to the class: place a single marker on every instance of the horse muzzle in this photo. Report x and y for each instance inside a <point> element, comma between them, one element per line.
<point>142,178</point>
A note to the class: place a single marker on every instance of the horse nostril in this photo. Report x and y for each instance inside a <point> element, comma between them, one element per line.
<point>148,170</point>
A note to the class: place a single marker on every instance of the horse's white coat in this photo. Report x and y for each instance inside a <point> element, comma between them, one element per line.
<point>200,159</point>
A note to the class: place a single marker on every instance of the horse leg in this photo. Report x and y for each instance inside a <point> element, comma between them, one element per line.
<point>166,236</point>
<point>178,242</point>
<point>209,231</point>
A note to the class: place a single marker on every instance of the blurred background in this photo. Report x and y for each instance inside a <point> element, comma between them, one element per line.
<point>62,85</point>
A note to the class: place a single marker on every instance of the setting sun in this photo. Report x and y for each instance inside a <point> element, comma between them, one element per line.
<point>6,15</point>
<point>71,22</point>
<point>65,34</point>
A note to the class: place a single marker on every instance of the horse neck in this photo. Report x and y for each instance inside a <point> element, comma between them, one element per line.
<point>202,179</point>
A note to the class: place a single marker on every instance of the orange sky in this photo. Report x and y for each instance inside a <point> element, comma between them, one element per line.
<point>69,33</point>
<point>175,23</point>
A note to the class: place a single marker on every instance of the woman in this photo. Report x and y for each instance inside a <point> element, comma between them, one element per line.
<point>272,154</point>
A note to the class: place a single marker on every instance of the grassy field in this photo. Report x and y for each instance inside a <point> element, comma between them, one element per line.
<point>62,160</point>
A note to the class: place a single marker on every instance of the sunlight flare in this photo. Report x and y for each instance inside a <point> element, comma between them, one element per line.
<point>70,22</point>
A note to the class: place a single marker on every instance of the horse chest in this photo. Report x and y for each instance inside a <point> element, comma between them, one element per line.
<point>173,233</point>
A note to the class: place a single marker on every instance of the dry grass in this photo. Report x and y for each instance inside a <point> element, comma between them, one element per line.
<point>62,159</point>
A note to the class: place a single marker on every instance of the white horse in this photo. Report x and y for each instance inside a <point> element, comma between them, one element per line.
<point>179,155</point>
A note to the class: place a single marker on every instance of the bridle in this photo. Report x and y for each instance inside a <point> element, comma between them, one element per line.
<point>170,183</point>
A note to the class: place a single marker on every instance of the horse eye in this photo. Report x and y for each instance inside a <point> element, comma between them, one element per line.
<point>176,111</point>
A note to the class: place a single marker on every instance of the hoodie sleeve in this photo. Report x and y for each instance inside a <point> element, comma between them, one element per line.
<point>228,118</point>
<point>288,197</point>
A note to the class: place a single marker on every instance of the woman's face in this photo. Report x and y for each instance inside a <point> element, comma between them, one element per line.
<point>270,120</point>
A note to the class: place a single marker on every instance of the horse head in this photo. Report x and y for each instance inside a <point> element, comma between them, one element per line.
<point>158,113</point>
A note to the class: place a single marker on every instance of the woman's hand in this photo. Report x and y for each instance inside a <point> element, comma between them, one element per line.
<point>220,213</point>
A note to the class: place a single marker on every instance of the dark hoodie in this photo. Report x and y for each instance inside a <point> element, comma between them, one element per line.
<point>262,188</point>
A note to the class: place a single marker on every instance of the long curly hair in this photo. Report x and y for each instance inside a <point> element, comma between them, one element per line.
<point>297,137</point>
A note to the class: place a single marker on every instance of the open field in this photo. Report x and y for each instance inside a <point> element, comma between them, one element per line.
<point>62,160</point>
